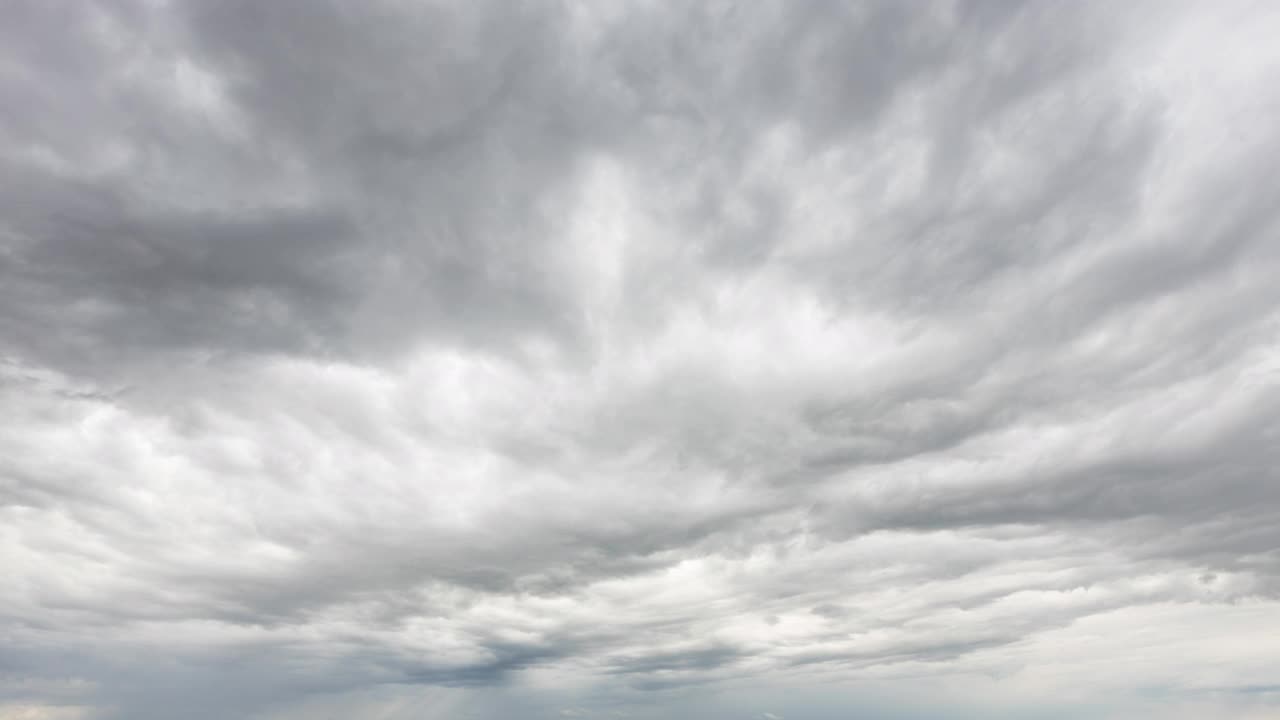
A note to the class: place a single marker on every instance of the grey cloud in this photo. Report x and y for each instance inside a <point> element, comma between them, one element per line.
<point>611,356</point>
<point>380,223</point>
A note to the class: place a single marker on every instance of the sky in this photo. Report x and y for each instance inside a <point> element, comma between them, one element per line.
<point>597,360</point>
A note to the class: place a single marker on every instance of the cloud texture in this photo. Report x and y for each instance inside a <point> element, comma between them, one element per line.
<point>631,359</point>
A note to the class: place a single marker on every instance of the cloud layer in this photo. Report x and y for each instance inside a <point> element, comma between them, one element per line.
<point>742,360</point>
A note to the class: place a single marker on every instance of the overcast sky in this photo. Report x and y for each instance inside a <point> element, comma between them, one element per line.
<point>768,360</point>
